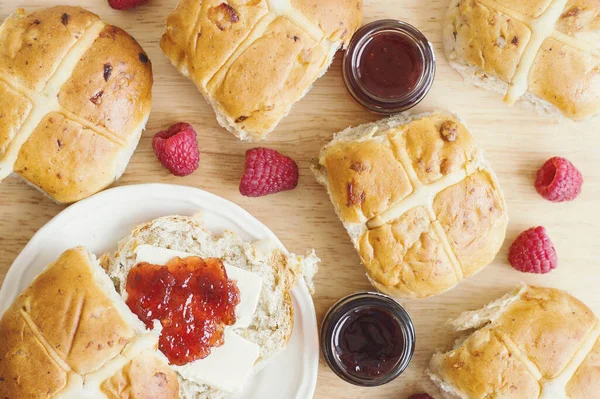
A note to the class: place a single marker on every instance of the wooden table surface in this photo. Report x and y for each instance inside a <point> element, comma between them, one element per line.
<point>517,141</point>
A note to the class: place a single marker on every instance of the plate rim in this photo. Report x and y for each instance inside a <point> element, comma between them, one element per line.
<point>309,381</point>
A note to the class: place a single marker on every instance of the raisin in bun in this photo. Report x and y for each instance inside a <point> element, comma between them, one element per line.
<point>75,95</point>
<point>422,206</point>
<point>252,60</point>
<point>543,52</point>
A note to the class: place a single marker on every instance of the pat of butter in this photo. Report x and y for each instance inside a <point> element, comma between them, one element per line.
<point>249,284</point>
<point>227,367</point>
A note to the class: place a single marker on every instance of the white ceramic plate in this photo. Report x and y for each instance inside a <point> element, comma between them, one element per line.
<point>100,221</point>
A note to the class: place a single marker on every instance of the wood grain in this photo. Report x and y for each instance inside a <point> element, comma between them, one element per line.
<point>517,140</point>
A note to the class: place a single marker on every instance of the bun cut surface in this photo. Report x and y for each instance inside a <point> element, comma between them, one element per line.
<point>534,343</point>
<point>546,52</point>
<point>421,205</point>
<point>75,95</point>
<point>69,335</point>
<point>272,323</point>
<point>252,60</point>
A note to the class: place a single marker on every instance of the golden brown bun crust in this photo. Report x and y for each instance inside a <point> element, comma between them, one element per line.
<point>253,60</point>
<point>585,381</point>
<point>33,45</point>
<point>14,108</point>
<point>581,19</point>
<point>26,369</point>
<point>531,8</point>
<point>491,48</point>
<point>66,160</point>
<point>568,78</point>
<point>141,378</point>
<point>64,326</point>
<point>496,45</point>
<point>550,342</point>
<point>74,316</point>
<point>408,256</point>
<point>423,208</point>
<point>272,73</point>
<point>63,63</point>
<point>217,36</point>
<point>437,146</point>
<point>482,367</point>
<point>541,341</point>
<point>338,20</point>
<point>473,216</point>
<point>359,178</point>
<point>118,101</point>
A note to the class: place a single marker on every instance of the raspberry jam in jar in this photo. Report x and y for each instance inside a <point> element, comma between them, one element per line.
<point>367,339</point>
<point>193,300</point>
<point>389,66</point>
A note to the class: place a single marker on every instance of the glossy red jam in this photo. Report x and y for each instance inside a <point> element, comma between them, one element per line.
<point>193,300</point>
<point>390,65</point>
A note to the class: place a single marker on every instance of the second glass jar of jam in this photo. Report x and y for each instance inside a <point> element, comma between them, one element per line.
<point>367,339</point>
<point>389,66</point>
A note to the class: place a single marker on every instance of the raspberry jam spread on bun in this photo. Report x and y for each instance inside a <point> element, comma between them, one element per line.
<point>193,300</point>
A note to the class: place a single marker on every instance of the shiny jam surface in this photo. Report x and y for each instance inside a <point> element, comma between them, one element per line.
<point>369,342</point>
<point>390,65</point>
<point>193,300</point>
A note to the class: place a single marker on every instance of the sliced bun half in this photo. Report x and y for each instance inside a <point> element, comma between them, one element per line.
<point>273,319</point>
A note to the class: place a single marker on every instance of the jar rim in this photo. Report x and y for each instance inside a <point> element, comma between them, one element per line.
<point>343,307</point>
<point>352,55</point>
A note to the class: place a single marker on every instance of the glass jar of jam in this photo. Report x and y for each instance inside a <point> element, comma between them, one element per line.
<point>367,339</point>
<point>389,66</point>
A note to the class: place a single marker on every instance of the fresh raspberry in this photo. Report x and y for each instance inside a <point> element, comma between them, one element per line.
<point>268,172</point>
<point>125,4</point>
<point>558,180</point>
<point>533,252</point>
<point>420,396</point>
<point>177,149</point>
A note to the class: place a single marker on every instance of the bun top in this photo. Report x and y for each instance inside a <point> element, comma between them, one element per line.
<point>422,206</point>
<point>537,46</point>
<point>535,343</point>
<point>254,59</point>
<point>69,333</point>
<point>75,94</point>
